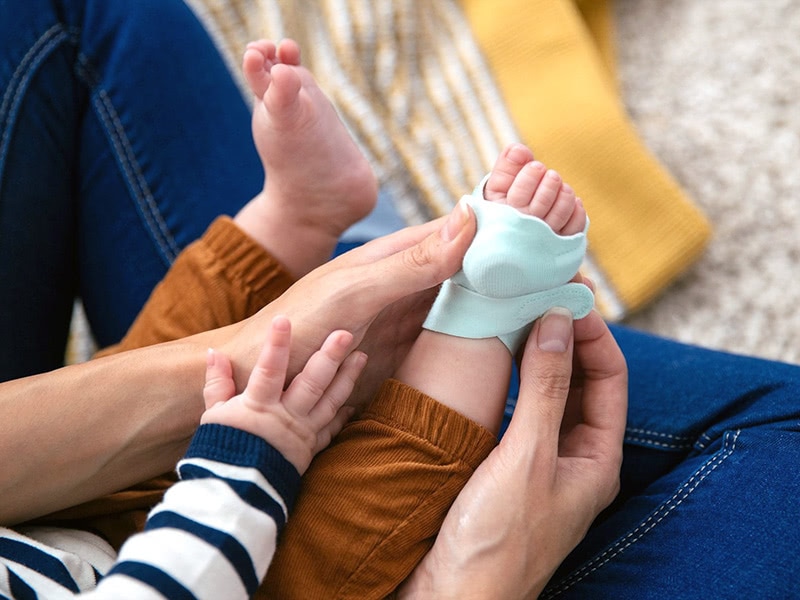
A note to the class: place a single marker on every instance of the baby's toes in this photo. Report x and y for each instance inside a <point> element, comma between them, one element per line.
<point>267,48</point>
<point>525,186</point>
<point>562,209</point>
<point>283,93</point>
<point>288,52</point>
<point>506,168</point>
<point>256,67</point>
<point>576,222</point>
<point>541,201</point>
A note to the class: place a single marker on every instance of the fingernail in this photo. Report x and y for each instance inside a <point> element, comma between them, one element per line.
<point>455,223</point>
<point>555,330</point>
<point>210,357</point>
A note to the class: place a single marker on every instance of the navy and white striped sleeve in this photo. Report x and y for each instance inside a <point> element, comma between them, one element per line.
<point>213,536</point>
<point>215,533</point>
<point>51,562</point>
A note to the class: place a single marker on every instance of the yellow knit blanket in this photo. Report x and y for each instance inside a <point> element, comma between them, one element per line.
<point>433,89</point>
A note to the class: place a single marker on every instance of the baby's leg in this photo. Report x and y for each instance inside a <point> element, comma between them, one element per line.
<point>471,375</point>
<point>318,182</point>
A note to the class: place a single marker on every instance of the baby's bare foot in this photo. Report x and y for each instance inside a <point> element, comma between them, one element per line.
<point>526,184</point>
<point>318,182</point>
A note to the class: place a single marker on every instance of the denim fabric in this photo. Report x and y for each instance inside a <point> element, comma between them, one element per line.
<point>710,501</point>
<point>122,135</point>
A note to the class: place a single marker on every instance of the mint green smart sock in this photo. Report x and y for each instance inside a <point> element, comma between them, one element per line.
<point>516,269</point>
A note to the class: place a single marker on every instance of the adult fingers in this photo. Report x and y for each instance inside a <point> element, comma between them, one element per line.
<point>598,409</point>
<point>424,264</point>
<point>389,244</point>
<point>604,376</point>
<point>356,286</point>
<point>545,375</point>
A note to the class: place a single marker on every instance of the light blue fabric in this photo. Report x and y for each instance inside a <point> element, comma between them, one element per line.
<point>516,269</point>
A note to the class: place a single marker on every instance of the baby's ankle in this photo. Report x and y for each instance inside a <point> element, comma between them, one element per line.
<point>299,244</point>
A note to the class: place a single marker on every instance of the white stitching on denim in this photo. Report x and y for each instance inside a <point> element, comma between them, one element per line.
<point>679,442</point>
<point>134,175</point>
<point>706,440</point>
<point>136,180</point>
<point>651,522</point>
<point>18,83</point>
<point>630,438</point>
<point>659,434</point>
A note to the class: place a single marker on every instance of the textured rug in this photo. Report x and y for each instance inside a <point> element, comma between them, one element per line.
<point>712,87</point>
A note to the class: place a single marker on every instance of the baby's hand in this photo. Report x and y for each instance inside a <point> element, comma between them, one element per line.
<point>300,421</point>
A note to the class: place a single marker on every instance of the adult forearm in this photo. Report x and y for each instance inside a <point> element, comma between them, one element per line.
<point>85,430</point>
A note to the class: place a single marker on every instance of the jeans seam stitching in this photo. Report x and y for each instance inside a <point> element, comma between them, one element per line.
<point>658,515</point>
<point>704,441</point>
<point>670,436</point>
<point>675,442</point>
<point>126,159</point>
<point>20,78</point>
<point>641,440</point>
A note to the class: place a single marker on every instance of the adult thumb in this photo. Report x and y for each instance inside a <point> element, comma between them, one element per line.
<point>545,375</point>
<point>429,262</point>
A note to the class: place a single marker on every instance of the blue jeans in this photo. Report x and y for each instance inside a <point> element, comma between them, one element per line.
<point>122,136</point>
<point>710,501</point>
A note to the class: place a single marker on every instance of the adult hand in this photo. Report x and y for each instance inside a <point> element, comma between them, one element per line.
<point>160,385</point>
<point>380,292</point>
<point>533,499</point>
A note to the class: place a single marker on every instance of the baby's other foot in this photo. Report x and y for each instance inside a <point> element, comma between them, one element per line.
<point>259,58</point>
<point>526,184</point>
<point>318,182</point>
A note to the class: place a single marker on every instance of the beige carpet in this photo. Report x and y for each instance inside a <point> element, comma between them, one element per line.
<point>713,87</point>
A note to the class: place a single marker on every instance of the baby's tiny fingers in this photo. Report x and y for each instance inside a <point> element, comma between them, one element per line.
<point>338,391</point>
<point>329,431</point>
<point>266,382</point>
<point>219,385</point>
<point>577,220</point>
<point>312,383</point>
